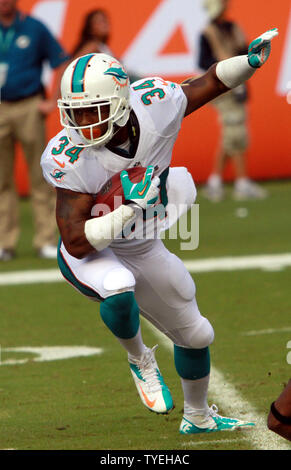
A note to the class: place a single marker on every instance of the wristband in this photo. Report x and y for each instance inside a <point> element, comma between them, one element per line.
<point>100,231</point>
<point>234,71</point>
<point>279,417</point>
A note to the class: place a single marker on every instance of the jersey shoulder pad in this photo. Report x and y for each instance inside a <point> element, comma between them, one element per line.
<point>154,88</point>
<point>59,162</point>
<point>163,100</point>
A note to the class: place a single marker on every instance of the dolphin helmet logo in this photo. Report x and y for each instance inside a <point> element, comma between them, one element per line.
<point>117,73</point>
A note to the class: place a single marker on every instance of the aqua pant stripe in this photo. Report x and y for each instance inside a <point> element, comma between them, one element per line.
<point>163,191</point>
<point>120,314</point>
<point>192,364</point>
<point>79,73</point>
<point>160,210</point>
<point>72,279</point>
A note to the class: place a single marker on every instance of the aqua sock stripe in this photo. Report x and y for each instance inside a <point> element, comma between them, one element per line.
<point>120,314</point>
<point>192,364</point>
<point>79,73</point>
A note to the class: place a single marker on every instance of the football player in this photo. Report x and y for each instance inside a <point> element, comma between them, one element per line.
<point>111,126</point>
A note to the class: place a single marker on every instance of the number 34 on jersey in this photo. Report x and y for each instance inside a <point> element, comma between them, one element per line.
<point>153,89</point>
<point>73,153</point>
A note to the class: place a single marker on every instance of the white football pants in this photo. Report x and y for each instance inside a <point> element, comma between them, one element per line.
<point>164,289</point>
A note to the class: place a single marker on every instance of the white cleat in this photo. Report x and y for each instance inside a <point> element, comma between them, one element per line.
<point>150,384</point>
<point>249,190</point>
<point>210,422</point>
<point>6,254</point>
<point>213,193</point>
<point>48,252</point>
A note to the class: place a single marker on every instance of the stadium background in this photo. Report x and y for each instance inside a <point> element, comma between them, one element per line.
<point>160,37</point>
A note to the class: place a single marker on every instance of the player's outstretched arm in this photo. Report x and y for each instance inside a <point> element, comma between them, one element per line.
<point>228,73</point>
<point>200,91</point>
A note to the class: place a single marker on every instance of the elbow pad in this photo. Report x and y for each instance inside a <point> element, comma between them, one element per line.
<point>100,231</point>
<point>235,71</point>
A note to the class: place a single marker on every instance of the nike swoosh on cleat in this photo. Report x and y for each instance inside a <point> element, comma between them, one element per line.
<point>150,403</point>
<point>62,165</point>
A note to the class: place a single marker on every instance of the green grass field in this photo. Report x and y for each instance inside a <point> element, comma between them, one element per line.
<point>91,403</point>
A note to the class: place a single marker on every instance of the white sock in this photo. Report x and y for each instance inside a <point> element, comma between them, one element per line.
<point>134,346</point>
<point>195,395</point>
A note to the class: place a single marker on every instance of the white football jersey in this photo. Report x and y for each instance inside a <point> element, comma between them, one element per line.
<point>159,106</point>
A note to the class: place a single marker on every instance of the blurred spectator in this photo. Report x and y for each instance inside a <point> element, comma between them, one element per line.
<point>279,418</point>
<point>25,44</point>
<point>95,35</point>
<point>220,40</point>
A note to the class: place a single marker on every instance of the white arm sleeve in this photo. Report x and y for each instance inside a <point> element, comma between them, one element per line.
<point>100,231</point>
<point>235,71</point>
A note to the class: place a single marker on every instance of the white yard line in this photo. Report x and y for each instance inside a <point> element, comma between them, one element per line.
<point>233,263</point>
<point>30,277</point>
<point>217,441</point>
<point>268,331</point>
<point>264,262</point>
<point>226,397</point>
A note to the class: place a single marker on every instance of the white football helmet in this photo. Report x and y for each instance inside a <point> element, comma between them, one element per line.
<point>214,8</point>
<point>93,81</point>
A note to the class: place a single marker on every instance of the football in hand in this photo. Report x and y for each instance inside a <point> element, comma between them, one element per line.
<point>111,195</point>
